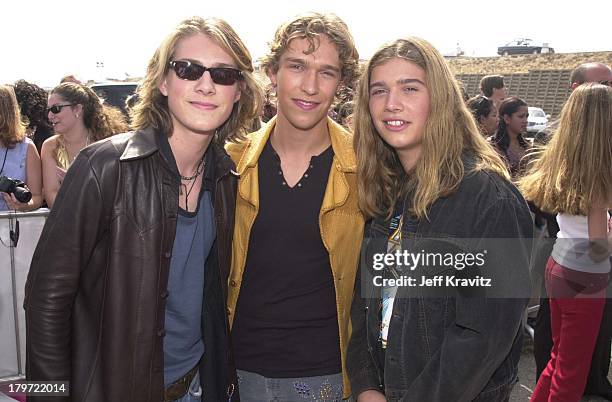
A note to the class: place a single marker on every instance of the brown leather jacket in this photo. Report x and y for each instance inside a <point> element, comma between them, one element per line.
<point>96,290</point>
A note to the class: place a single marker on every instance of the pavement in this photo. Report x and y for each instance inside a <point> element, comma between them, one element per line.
<point>527,369</point>
<point>521,392</point>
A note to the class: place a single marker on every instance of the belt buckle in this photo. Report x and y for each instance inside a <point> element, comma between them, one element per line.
<point>180,387</point>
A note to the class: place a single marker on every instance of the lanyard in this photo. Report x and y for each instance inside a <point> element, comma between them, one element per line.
<point>3,162</point>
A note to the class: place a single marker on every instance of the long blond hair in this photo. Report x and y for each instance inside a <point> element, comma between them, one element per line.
<point>575,168</point>
<point>449,132</point>
<point>12,130</point>
<point>151,111</point>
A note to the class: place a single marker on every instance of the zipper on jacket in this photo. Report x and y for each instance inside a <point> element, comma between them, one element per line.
<point>367,313</point>
<point>371,351</point>
<point>230,391</point>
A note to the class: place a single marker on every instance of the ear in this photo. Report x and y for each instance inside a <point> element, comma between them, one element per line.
<point>506,118</point>
<point>163,86</point>
<point>241,87</point>
<point>272,77</point>
<point>78,109</point>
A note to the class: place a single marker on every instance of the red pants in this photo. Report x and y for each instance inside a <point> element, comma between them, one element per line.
<point>576,306</point>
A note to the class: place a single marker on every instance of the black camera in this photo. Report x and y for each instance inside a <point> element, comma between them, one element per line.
<point>17,187</point>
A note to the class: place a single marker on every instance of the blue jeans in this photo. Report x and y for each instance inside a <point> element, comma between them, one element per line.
<point>195,391</point>
<point>257,388</point>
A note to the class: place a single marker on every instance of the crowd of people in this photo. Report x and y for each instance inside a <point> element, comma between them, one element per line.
<point>225,248</point>
<point>43,132</point>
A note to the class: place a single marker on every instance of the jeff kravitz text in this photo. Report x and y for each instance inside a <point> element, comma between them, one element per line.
<point>435,281</point>
<point>401,261</point>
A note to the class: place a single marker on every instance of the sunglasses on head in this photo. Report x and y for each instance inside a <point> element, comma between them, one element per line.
<point>190,71</point>
<point>55,109</point>
<point>607,83</point>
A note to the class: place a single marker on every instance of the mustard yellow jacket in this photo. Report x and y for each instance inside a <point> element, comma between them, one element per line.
<point>340,221</point>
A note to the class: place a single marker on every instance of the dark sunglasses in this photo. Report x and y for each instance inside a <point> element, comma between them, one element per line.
<point>55,109</point>
<point>190,71</point>
<point>606,83</point>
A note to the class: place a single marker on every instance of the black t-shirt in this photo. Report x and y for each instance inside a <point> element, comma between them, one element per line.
<point>286,319</point>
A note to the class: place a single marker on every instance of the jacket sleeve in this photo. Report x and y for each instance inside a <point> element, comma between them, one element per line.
<point>362,371</point>
<point>64,248</point>
<point>485,328</point>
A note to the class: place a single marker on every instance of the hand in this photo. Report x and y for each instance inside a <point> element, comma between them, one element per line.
<point>13,204</point>
<point>371,396</point>
<point>60,173</point>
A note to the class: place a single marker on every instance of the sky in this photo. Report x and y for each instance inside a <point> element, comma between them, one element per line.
<point>41,41</point>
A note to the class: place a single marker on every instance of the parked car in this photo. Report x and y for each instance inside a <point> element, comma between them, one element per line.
<point>115,93</point>
<point>537,120</point>
<point>524,46</point>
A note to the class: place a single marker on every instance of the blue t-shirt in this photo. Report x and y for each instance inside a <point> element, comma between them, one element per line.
<point>14,161</point>
<point>183,343</point>
<point>195,236</point>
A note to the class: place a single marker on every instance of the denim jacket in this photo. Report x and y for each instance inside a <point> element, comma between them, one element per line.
<point>454,347</point>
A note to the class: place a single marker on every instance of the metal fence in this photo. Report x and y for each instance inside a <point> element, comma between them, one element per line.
<point>19,233</point>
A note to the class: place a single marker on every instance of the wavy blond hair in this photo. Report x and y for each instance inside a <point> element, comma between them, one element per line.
<point>151,110</point>
<point>450,131</point>
<point>575,168</point>
<point>12,129</point>
<point>310,26</point>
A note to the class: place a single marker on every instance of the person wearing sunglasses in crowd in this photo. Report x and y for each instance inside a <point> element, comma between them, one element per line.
<point>600,73</point>
<point>298,226</point>
<point>19,158</point>
<point>484,111</point>
<point>126,293</point>
<point>432,185</point>
<point>78,119</point>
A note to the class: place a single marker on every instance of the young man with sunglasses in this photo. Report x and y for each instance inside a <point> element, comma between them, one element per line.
<point>125,298</point>
<point>298,227</point>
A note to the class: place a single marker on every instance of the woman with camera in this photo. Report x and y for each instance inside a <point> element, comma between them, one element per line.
<point>20,171</point>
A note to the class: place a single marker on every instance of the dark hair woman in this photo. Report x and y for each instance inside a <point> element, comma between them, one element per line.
<point>484,111</point>
<point>508,139</point>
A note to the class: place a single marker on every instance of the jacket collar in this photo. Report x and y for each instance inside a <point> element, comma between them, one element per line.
<point>341,141</point>
<point>146,142</point>
<point>223,163</point>
<point>140,145</point>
